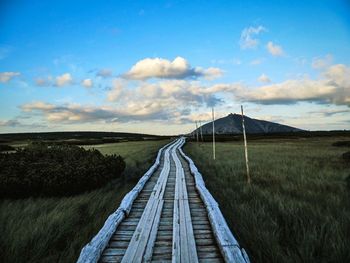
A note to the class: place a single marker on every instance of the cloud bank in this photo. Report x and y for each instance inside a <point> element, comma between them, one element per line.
<point>264,78</point>
<point>104,73</point>
<point>248,38</point>
<point>274,50</point>
<point>161,68</point>
<point>7,76</point>
<point>63,80</point>
<point>332,88</point>
<point>87,83</point>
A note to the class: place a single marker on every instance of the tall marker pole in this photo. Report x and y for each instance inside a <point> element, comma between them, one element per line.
<point>212,112</point>
<point>245,147</point>
<point>197,132</point>
<point>200,127</point>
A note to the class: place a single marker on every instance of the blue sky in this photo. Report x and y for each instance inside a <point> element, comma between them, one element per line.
<point>157,66</point>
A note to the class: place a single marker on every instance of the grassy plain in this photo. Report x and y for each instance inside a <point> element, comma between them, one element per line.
<point>55,229</point>
<point>297,208</point>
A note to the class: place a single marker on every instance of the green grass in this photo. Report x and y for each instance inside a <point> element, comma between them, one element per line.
<point>297,208</point>
<point>55,229</point>
<point>134,153</point>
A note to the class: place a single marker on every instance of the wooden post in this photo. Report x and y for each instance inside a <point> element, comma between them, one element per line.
<point>200,127</point>
<point>245,147</point>
<point>212,112</point>
<point>197,132</point>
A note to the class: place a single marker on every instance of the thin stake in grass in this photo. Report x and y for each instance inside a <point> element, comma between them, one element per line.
<point>197,132</point>
<point>200,127</point>
<point>212,113</point>
<point>245,147</point>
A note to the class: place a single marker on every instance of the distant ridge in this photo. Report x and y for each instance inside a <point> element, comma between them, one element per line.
<point>232,124</point>
<point>76,135</point>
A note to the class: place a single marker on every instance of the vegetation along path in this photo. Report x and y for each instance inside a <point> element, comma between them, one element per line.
<point>169,216</point>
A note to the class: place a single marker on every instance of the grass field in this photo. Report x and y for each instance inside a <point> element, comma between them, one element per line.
<point>297,208</point>
<point>55,229</point>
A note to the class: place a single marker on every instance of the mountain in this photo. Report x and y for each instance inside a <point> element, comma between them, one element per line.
<point>232,124</point>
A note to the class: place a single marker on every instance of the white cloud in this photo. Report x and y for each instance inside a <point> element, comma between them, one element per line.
<point>42,82</point>
<point>257,61</point>
<point>87,83</point>
<point>248,40</point>
<point>69,112</point>
<point>211,73</point>
<point>333,88</point>
<point>76,113</point>
<point>274,50</point>
<point>63,80</point>
<point>176,93</point>
<point>104,73</point>
<point>116,90</point>
<point>179,68</point>
<point>200,117</point>
<point>171,100</point>
<point>180,101</point>
<point>331,112</point>
<point>15,123</point>
<point>264,78</point>
<point>9,123</point>
<point>37,105</point>
<point>322,62</point>
<point>7,76</point>
<point>338,75</point>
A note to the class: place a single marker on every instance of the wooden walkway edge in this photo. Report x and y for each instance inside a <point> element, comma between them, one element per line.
<point>229,246</point>
<point>169,216</point>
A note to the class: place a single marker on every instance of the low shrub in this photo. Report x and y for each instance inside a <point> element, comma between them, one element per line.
<point>5,147</point>
<point>346,156</point>
<point>40,170</point>
<point>341,144</point>
<point>348,182</point>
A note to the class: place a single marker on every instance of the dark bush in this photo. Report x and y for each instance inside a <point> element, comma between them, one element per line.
<point>348,182</point>
<point>341,144</point>
<point>346,156</point>
<point>5,147</point>
<point>40,169</point>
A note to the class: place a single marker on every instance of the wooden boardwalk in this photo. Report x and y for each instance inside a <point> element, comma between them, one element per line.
<point>170,219</point>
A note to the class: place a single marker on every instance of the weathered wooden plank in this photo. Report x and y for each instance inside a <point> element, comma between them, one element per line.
<point>114,252</point>
<point>139,240</point>
<point>185,217</point>
<point>152,236</point>
<point>110,259</point>
<point>118,237</point>
<point>228,245</point>
<point>184,247</point>
<point>118,244</point>
<point>93,250</point>
<point>176,252</point>
<point>156,260</point>
<point>211,260</point>
<point>142,242</point>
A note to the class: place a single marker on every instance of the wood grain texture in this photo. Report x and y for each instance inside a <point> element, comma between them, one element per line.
<point>184,247</point>
<point>171,217</point>
<point>227,244</point>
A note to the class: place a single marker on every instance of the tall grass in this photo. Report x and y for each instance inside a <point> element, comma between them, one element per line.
<point>297,208</point>
<point>55,229</point>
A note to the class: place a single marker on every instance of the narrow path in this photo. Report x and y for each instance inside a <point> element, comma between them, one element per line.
<point>168,220</point>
